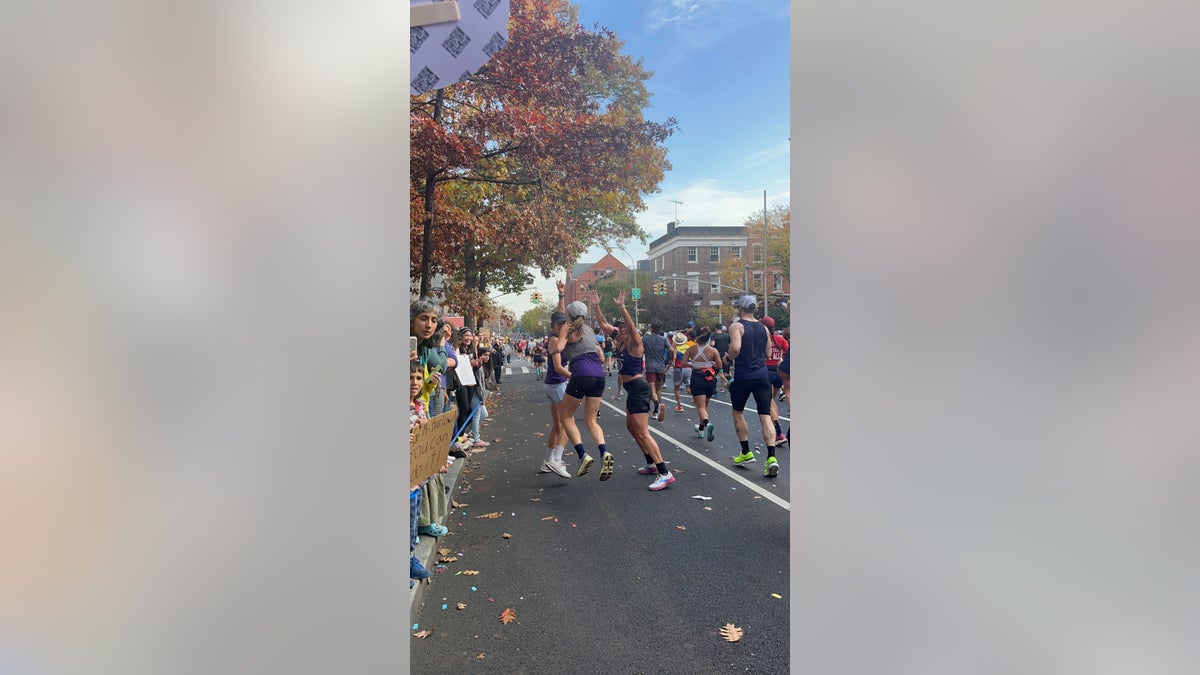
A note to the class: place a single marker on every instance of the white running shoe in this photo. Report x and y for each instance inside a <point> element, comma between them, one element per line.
<point>662,482</point>
<point>560,468</point>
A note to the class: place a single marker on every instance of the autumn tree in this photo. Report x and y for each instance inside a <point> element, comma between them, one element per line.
<point>536,321</point>
<point>538,156</point>
<point>733,270</point>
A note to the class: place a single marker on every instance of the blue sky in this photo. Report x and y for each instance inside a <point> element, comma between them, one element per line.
<point>721,69</point>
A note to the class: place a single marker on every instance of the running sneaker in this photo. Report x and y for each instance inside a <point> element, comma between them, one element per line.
<point>584,465</point>
<point>678,408</point>
<point>648,470</point>
<point>545,467</point>
<point>662,482</point>
<point>710,431</point>
<point>662,411</point>
<point>772,469</point>
<point>606,466</point>
<point>744,458</point>
<point>560,468</point>
<point>698,430</point>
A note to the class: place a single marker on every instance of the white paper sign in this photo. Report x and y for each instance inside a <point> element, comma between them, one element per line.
<point>463,368</point>
<point>446,53</point>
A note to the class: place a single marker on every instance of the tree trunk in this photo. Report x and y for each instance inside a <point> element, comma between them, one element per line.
<point>427,235</point>
<point>469,273</point>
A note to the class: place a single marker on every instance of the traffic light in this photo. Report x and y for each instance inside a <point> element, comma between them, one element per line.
<point>660,288</point>
<point>537,297</point>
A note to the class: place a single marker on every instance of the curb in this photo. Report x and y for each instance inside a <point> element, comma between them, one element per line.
<point>427,545</point>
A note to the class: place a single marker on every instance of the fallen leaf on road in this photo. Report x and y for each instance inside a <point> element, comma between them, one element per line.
<point>423,634</point>
<point>777,596</point>
<point>443,551</point>
<point>506,535</point>
<point>461,605</point>
<point>548,518</point>
<point>448,559</point>
<point>680,527</point>
<point>707,499</point>
<point>472,572</point>
<point>708,508</point>
<point>731,633</point>
<point>538,434</point>
<point>536,499</point>
<point>508,616</point>
<point>758,497</point>
<point>494,514</point>
<point>479,658</point>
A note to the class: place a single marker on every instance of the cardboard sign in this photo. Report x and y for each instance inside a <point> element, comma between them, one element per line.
<point>430,446</point>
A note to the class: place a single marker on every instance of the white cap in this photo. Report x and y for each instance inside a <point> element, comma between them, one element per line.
<point>576,308</point>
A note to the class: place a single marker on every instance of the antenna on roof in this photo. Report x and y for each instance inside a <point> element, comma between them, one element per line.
<point>677,203</point>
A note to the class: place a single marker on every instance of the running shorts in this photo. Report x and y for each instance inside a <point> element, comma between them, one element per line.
<point>682,377</point>
<point>703,387</point>
<point>639,397</point>
<point>539,358</point>
<point>555,392</point>
<point>786,366</point>
<point>741,390</point>
<point>773,376</point>
<point>586,386</point>
<point>652,377</point>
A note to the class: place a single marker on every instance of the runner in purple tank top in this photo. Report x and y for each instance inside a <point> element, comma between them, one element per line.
<point>637,404</point>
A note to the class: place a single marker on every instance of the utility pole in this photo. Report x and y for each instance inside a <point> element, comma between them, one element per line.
<point>765,293</point>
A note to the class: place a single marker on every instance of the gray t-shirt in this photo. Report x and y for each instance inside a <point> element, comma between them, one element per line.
<point>656,353</point>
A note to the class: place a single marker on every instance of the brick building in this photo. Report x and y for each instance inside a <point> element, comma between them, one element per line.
<point>689,259</point>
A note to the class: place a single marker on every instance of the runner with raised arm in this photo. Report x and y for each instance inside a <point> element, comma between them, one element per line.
<point>555,385</point>
<point>577,345</point>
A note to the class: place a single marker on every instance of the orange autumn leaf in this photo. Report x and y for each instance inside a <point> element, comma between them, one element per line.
<point>731,632</point>
<point>508,616</point>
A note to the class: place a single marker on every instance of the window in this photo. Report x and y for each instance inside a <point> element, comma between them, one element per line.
<point>714,254</point>
<point>691,251</point>
<point>735,251</point>
<point>778,283</point>
<point>714,283</point>
<point>693,286</point>
<point>758,253</point>
<point>758,279</point>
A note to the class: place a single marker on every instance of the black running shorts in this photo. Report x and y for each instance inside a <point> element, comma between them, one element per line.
<point>584,386</point>
<point>639,397</point>
<point>741,390</point>
<point>701,386</point>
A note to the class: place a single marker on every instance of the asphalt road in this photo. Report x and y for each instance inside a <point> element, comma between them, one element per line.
<point>608,577</point>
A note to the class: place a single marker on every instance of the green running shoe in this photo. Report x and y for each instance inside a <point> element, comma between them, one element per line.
<point>606,466</point>
<point>772,468</point>
<point>744,458</point>
<point>584,465</point>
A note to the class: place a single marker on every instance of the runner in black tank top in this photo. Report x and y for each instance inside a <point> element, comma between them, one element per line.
<point>748,349</point>
<point>637,405</point>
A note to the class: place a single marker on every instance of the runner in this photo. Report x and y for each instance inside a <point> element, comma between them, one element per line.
<point>705,363</point>
<point>776,348</point>
<point>539,355</point>
<point>577,345</point>
<point>658,354</point>
<point>682,375</point>
<point>748,349</point>
<point>720,340</point>
<point>637,404</point>
<point>608,352</point>
<point>556,387</point>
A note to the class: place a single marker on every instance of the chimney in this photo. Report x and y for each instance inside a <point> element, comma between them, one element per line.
<point>670,227</point>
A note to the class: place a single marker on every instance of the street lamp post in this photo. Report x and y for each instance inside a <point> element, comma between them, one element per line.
<point>636,318</point>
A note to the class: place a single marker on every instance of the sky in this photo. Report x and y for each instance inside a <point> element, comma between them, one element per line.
<point>721,70</point>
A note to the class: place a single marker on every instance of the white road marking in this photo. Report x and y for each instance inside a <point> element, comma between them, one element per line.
<point>717,400</point>
<point>767,494</point>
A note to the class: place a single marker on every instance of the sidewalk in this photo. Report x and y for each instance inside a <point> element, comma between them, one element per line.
<point>427,545</point>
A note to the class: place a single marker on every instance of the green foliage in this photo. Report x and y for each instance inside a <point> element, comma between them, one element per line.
<point>530,321</point>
